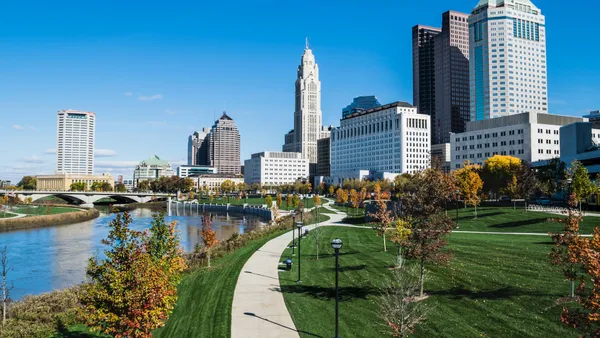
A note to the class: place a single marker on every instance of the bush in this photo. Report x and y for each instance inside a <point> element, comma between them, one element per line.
<point>41,315</point>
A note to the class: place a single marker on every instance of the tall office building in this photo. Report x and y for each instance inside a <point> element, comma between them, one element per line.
<point>507,59</point>
<point>307,115</point>
<point>441,74</point>
<point>198,147</point>
<point>224,146</point>
<point>75,142</point>
<point>361,103</point>
<point>452,104</point>
<point>423,49</point>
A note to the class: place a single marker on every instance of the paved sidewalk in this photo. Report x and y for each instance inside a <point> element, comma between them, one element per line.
<point>258,307</point>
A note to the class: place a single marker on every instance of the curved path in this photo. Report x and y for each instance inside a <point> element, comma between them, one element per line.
<point>258,307</point>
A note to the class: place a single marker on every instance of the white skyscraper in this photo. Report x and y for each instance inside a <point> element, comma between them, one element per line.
<point>75,142</point>
<point>307,115</point>
<point>507,45</point>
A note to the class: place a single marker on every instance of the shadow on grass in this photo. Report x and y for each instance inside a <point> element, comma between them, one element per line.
<point>354,220</point>
<point>327,255</point>
<point>346,292</point>
<point>472,217</point>
<point>65,332</point>
<point>544,243</point>
<point>251,314</point>
<point>351,268</point>
<point>497,294</point>
<point>519,223</point>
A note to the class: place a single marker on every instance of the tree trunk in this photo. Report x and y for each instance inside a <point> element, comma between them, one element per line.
<point>422,279</point>
<point>399,263</point>
<point>514,205</point>
<point>572,288</point>
<point>475,211</point>
<point>208,255</point>
<point>384,244</point>
<point>317,242</point>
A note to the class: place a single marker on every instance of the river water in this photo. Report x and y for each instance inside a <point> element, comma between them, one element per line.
<point>46,259</point>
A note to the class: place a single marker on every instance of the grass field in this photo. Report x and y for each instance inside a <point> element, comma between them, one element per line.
<point>41,210</point>
<point>501,219</point>
<point>496,286</point>
<point>5,214</point>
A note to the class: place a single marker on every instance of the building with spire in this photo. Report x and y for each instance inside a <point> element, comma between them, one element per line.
<point>307,114</point>
<point>224,146</point>
<point>507,55</point>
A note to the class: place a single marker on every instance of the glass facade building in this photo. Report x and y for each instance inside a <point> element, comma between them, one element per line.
<point>360,103</point>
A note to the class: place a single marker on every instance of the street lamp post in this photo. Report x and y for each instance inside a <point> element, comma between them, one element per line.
<point>457,195</point>
<point>293,234</point>
<point>299,226</point>
<point>337,244</point>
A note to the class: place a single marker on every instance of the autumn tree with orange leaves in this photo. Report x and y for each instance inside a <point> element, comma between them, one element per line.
<point>134,289</point>
<point>382,218</point>
<point>469,183</point>
<point>579,258</point>
<point>209,236</point>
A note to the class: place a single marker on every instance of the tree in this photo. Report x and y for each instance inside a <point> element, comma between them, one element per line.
<point>341,196</point>
<point>4,202</point>
<point>209,236</point>
<point>423,207</point>
<point>381,219</point>
<point>227,186</point>
<point>400,236</point>
<point>96,186</point>
<point>143,186</point>
<point>498,170</point>
<point>354,198</point>
<point>527,180</point>
<point>269,201</point>
<point>120,187</point>
<point>512,190</point>
<point>579,258</point>
<point>242,187</point>
<point>400,307</point>
<point>27,183</point>
<point>278,200</point>
<point>551,177</point>
<point>4,284</point>
<point>321,188</point>
<point>78,186</point>
<point>581,185</point>
<point>562,253</point>
<point>296,201</point>
<point>134,289</point>
<point>469,183</point>
<point>288,201</point>
<point>105,186</point>
<point>331,190</point>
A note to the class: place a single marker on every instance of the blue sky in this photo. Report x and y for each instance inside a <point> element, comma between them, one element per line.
<point>155,71</point>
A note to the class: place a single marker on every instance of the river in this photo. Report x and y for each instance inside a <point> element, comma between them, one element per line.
<point>46,259</point>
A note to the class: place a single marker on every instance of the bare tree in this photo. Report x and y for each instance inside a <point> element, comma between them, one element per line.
<point>6,287</point>
<point>401,307</point>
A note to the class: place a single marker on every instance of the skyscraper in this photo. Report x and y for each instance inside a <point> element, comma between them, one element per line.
<point>452,104</point>
<point>75,142</point>
<point>441,74</point>
<point>424,69</point>
<point>198,147</point>
<point>507,59</point>
<point>361,103</point>
<point>307,115</point>
<point>224,146</point>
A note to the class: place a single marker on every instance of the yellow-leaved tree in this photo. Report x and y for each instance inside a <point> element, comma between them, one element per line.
<point>469,183</point>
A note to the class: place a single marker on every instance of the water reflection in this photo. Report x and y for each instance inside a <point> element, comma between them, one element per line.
<point>51,258</point>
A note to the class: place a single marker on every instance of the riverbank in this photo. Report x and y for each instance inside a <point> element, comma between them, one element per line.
<point>131,206</point>
<point>42,221</point>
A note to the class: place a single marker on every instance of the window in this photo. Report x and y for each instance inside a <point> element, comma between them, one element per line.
<point>503,133</point>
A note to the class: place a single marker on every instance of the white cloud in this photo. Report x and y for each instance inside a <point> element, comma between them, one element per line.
<point>18,127</point>
<point>150,98</point>
<point>170,112</point>
<point>105,153</point>
<point>128,93</point>
<point>32,159</point>
<point>50,151</point>
<point>116,164</point>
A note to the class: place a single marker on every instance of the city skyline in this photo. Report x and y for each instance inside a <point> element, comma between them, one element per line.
<point>147,109</point>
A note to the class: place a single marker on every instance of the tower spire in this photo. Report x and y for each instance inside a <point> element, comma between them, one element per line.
<point>307,42</point>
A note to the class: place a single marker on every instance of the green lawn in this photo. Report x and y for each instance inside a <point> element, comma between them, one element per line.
<point>5,214</point>
<point>506,219</point>
<point>496,286</point>
<point>41,210</point>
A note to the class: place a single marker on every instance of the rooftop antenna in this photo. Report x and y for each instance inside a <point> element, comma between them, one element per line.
<point>307,42</point>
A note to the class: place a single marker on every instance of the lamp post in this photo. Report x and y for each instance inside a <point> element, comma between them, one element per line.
<point>299,226</point>
<point>457,196</point>
<point>293,234</point>
<point>336,244</point>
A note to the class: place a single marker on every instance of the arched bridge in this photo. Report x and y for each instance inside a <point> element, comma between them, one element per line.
<point>87,198</point>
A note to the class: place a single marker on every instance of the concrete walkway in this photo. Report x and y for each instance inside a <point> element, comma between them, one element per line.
<point>258,309</point>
